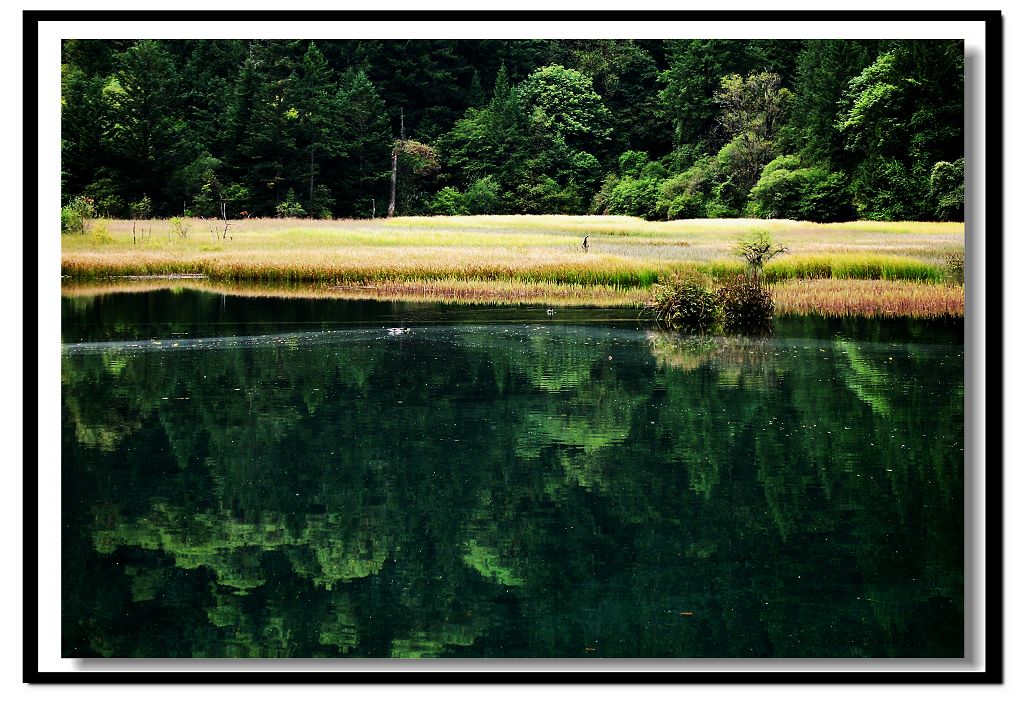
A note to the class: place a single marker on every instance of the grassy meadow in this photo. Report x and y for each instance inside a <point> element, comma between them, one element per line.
<point>865,268</point>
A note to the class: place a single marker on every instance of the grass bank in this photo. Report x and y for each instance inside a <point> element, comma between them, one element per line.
<point>884,267</point>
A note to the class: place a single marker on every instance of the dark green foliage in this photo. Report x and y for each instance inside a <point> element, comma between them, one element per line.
<point>651,128</point>
<point>625,75</point>
<point>634,191</point>
<point>147,136</point>
<point>361,178</point>
<point>900,116</point>
<point>686,195</point>
<point>824,68</point>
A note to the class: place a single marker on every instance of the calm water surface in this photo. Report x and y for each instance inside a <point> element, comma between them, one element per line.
<point>247,477</point>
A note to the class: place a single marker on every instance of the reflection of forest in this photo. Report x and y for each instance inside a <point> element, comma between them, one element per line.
<point>514,492</point>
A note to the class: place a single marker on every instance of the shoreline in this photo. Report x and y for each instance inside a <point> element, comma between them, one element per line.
<point>825,297</point>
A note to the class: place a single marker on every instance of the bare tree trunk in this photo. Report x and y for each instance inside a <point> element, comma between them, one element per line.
<point>311,175</point>
<point>394,165</point>
<point>394,178</point>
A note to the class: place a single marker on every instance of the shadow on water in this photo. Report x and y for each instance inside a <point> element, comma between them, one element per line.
<point>326,479</point>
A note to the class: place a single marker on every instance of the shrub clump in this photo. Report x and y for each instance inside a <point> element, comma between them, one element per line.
<point>77,215</point>
<point>686,304</point>
<point>747,305</point>
<point>742,304</point>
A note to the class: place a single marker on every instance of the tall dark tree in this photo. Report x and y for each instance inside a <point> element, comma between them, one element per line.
<point>823,70</point>
<point>316,101</point>
<point>147,137</point>
<point>83,120</point>
<point>366,133</point>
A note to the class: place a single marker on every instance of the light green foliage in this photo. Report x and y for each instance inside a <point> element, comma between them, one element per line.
<point>448,201</point>
<point>875,117</point>
<point>684,195</point>
<point>142,208</point>
<point>758,248</point>
<point>180,227</point>
<point>489,564</point>
<point>290,207</point>
<point>901,116</point>
<point>564,101</point>
<point>634,191</point>
<point>77,215</point>
<point>787,189</point>
<point>947,189</point>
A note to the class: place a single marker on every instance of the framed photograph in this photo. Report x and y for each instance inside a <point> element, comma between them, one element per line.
<point>513,347</point>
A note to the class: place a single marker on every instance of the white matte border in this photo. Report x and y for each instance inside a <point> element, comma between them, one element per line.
<point>49,36</point>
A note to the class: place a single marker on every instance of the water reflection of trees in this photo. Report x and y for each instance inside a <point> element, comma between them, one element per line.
<point>550,495</point>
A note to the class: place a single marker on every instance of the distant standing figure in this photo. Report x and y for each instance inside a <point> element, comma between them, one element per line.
<point>586,247</point>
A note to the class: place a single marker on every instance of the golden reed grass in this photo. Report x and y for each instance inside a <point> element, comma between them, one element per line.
<point>823,297</point>
<point>536,258</point>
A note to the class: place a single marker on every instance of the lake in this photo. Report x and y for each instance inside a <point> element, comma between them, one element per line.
<point>288,477</point>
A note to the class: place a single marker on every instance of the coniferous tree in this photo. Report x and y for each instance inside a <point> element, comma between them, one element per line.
<point>147,134</point>
<point>366,133</point>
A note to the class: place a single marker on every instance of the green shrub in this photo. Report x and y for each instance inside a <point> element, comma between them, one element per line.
<point>684,195</point>
<point>142,208</point>
<point>448,201</point>
<point>827,198</point>
<point>636,197</point>
<point>758,249</point>
<point>106,198</point>
<point>290,207</point>
<point>99,234</point>
<point>483,197</point>
<point>786,190</point>
<point>686,207</point>
<point>180,227</point>
<point>77,215</point>
<point>884,189</point>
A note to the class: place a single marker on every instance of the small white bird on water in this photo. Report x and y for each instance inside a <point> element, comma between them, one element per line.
<point>397,331</point>
<point>551,311</point>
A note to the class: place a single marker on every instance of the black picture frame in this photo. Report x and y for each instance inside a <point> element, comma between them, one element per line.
<point>561,673</point>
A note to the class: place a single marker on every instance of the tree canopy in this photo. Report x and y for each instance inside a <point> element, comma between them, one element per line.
<point>661,129</point>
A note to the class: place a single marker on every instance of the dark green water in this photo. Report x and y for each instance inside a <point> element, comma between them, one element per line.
<point>281,478</point>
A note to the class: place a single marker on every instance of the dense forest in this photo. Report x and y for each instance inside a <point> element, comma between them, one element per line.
<point>819,130</point>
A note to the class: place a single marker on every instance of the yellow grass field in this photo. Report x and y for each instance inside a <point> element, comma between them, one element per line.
<point>869,268</point>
